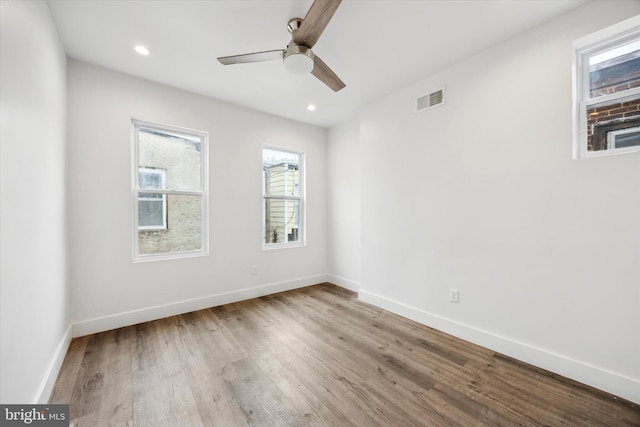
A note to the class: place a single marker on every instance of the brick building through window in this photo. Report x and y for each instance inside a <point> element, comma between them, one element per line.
<point>605,123</point>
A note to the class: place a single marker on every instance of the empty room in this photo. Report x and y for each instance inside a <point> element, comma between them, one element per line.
<point>320,212</point>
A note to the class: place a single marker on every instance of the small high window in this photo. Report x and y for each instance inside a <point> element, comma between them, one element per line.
<point>607,92</point>
<point>170,191</point>
<point>282,193</point>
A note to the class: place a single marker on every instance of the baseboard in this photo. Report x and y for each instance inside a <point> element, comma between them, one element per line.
<point>120,320</point>
<point>610,382</point>
<point>46,386</point>
<point>343,283</point>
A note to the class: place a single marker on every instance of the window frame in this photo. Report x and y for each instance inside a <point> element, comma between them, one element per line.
<point>203,193</point>
<point>585,47</point>
<point>301,198</point>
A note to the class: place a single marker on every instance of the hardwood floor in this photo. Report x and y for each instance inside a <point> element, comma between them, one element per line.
<point>313,356</point>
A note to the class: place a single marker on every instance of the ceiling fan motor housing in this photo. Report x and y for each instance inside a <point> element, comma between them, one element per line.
<point>294,24</point>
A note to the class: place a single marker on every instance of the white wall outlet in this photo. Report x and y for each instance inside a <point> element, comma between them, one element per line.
<point>254,269</point>
<point>454,296</point>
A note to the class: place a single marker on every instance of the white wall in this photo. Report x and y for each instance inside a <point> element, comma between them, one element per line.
<point>107,289</point>
<point>482,195</point>
<point>343,175</point>
<point>34,333</point>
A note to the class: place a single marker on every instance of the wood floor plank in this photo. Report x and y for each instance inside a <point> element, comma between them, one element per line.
<point>182,403</point>
<point>87,390</point>
<point>149,397</point>
<point>118,380</point>
<point>70,370</point>
<point>313,357</point>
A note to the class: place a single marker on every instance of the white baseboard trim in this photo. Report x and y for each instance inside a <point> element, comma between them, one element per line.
<point>46,386</point>
<point>129,318</point>
<point>343,283</point>
<point>610,382</point>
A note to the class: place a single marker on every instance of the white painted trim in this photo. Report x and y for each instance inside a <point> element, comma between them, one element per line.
<point>343,282</point>
<point>612,32</point>
<point>46,386</point>
<point>129,318</point>
<point>611,382</point>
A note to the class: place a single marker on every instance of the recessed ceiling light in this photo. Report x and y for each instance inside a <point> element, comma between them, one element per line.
<point>311,107</point>
<point>142,50</point>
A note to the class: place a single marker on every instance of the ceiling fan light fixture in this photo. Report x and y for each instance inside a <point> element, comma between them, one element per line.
<point>298,63</point>
<point>298,59</point>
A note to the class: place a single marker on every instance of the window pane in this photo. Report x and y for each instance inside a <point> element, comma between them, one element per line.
<point>607,123</point>
<point>184,228</point>
<point>150,180</point>
<point>615,70</point>
<point>151,213</point>
<point>625,138</point>
<point>281,173</point>
<point>178,155</point>
<point>282,220</point>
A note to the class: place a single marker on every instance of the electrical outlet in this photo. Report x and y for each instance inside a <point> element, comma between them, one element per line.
<point>254,269</point>
<point>454,296</point>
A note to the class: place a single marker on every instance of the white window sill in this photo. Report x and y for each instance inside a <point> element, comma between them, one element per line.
<point>273,246</point>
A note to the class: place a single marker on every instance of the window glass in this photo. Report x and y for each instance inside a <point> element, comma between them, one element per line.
<point>624,138</point>
<point>282,220</point>
<point>178,154</point>
<point>184,231</point>
<point>150,179</point>
<point>605,119</point>
<point>615,70</point>
<point>151,213</point>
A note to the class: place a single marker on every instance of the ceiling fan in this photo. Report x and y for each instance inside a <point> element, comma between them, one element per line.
<point>298,57</point>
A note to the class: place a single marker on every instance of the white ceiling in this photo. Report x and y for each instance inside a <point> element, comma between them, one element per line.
<point>376,47</point>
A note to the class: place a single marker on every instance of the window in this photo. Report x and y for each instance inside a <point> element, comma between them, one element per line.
<point>607,91</point>
<point>283,198</point>
<point>152,207</point>
<point>628,137</point>
<point>170,191</point>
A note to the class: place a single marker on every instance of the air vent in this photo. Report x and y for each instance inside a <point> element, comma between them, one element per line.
<point>430,100</point>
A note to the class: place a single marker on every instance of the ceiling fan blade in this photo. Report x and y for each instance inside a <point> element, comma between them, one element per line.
<point>267,55</point>
<point>315,22</point>
<point>325,75</point>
